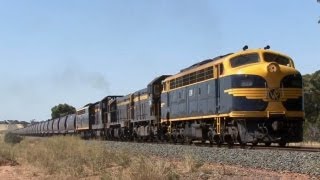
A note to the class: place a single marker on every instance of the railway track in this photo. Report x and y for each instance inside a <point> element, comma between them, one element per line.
<point>238,146</point>
<point>288,148</point>
<point>263,147</point>
<point>235,146</point>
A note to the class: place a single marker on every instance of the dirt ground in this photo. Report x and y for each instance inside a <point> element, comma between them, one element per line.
<point>207,171</point>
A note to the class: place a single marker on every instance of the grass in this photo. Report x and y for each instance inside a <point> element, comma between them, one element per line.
<point>152,168</point>
<point>7,152</point>
<point>67,157</point>
<point>191,163</point>
<point>70,157</point>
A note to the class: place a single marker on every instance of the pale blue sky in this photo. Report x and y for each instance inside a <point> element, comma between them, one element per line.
<point>78,51</point>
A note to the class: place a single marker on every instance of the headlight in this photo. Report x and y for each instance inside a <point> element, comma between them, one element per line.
<point>246,83</point>
<point>247,80</point>
<point>273,67</point>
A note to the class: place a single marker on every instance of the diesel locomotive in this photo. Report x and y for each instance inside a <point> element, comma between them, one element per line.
<point>252,96</point>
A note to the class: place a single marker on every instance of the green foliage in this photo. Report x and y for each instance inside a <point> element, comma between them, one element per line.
<point>12,138</point>
<point>62,109</point>
<point>312,106</point>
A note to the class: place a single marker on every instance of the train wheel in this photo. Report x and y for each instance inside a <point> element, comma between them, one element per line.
<point>218,141</point>
<point>229,140</point>
<point>243,145</point>
<point>282,144</point>
<point>230,144</point>
<point>181,139</point>
<point>136,138</point>
<point>210,136</point>
<point>188,140</point>
<point>175,140</point>
<point>203,141</point>
<point>267,143</point>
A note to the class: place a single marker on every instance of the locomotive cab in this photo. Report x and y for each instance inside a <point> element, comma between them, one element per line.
<point>266,97</point>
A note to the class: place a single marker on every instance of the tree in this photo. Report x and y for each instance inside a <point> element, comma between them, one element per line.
<point>33,121</point>
<point>61,110</point>
<point>311,83</point>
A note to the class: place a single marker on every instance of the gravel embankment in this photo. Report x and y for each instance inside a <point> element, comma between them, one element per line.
<point>299,162</point>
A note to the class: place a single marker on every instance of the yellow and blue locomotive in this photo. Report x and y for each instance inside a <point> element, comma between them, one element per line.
<point>250,96</point>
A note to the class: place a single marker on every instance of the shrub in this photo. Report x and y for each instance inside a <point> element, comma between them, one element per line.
<point>12,138</point>
<point>7,153</point>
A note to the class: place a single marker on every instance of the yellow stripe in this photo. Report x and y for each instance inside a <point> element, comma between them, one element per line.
<point>210,64</point>
<point>188,85</point>
<point>242,114</point>
<point>262,93</point>
<point>266,113</point>
<point>82,128</point>
<point>192,118</point>
<point>123,103</point>
<point>250,93</point>
<point>143,97</point>
<point>136,99</point>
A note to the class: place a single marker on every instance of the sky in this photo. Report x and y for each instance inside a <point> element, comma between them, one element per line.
<point>79,51</point>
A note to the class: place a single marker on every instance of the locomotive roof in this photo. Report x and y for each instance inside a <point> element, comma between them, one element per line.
<point>157,79</point>
<point>141,91</point>
<point>111,97</point>
<point>220,58</point>
<point>205,62</point>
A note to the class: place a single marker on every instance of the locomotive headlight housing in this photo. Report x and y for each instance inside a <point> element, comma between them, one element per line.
<point>273,68</point>
<point>246,83</point>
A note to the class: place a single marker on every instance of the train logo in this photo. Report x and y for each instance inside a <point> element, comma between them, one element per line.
<point>274,94</point>
<point>273,68</point>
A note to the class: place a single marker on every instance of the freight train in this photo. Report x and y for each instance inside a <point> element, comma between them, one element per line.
<point>251,96</point>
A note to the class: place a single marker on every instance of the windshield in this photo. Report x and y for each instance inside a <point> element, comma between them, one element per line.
<point>244,60</point>
<point>270,57</point>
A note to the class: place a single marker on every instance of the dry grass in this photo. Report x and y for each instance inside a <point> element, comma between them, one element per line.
<point>70,156</point>
<point>73,158</point>
<point>7,153</point>
<point>149,168</point>
<point>191,163</point>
